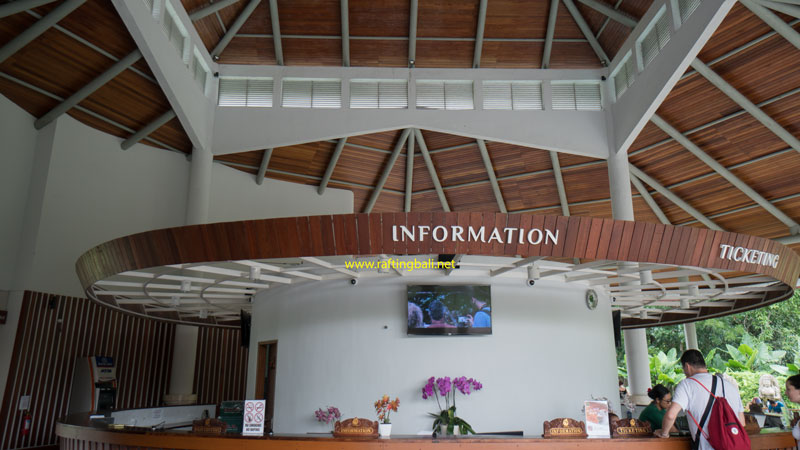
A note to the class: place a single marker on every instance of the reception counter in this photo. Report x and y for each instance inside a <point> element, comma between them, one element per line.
<point>76,436</point>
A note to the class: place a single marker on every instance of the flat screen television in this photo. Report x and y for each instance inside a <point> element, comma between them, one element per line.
<point>449,310</point>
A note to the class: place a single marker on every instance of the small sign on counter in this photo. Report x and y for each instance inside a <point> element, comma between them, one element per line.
<point>253,424</point>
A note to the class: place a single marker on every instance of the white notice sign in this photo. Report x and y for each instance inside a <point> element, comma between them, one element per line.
<point>254,417</point>
<point>597,418</point>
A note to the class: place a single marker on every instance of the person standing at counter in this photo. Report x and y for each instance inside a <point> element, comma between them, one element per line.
<point>793,394</point>
<point>691,396</point>
<point>654,412</point>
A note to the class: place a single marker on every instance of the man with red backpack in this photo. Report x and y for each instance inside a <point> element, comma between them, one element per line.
<point>714,407</point>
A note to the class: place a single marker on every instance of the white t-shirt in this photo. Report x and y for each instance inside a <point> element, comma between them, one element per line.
<point>693,398</point>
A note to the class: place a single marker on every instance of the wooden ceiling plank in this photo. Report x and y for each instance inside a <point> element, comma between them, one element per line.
<point>234,28</point>
<point>35,30</point>
<point>210,9</point>
<point>773,21</point>
<point>88,89</point>
<point>276,31</point>
<point>551,29</point>
<point>587,32</point>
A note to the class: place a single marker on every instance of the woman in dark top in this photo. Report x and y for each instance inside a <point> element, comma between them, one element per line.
<point>654,412</point>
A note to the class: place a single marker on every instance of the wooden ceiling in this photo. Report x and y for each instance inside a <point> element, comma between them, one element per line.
<point>89,40</point>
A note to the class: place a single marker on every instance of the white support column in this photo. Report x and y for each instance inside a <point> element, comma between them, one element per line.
<point>690,332</point>
<point>199,195</point>
<point>638,364</point>
<point>184,351</point>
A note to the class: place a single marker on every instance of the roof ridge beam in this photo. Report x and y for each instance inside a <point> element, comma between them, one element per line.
<point>587,32</point>
<point>476,57</point>
<point>552,14</point>
<point>487,162</point>
<point>276,31</point>
<point>234,28</point>
<point>674,198</point>
<point>38,28</point>
<point>653,83</point>
<point>613,14</point>
<point>431,170</point>
<point>746,104</point>
<point>387,170</point>
<point>87,90</point>
<point>793,226</point>
<point>207,10</point>
<point>773,21</point>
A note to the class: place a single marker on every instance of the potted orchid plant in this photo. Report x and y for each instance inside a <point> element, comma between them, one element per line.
<point>329,415</point>
<point>383,408</point>
<point>444,389</point>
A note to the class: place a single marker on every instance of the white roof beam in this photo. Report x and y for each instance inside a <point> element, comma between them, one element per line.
<point>38,28</point>
<point>337,152</point>
<point>551,30</point>
<point>18,6</point>
<point>210,9</point>
<point>412,32</point>
<point>476,57</point>
<point>110,73</point>
<point>423,148</point>
<point>562,193</point>
<point>276,31</point>
<point>649,200</point>
<point>613,14</point>
<point>398,147</point>
<point>409,172</point>
<point>786,8</point>
<point>237,24</point>
<point>345,32</point>
<point>487,163</point>
<point>633,109</point>
<point>774,21</point>
<point>193,107</point>
<point>148,129</point>
<point>793,226</point>
<point>587,32</point>
<point>262,169</point>
<point>674,198</point>
<point>746,104</point>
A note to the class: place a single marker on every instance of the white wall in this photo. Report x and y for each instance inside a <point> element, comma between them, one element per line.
<point>16,162</point>
<point>547,354</point>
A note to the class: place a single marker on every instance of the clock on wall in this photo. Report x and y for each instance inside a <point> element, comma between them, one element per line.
<point>591,299</point>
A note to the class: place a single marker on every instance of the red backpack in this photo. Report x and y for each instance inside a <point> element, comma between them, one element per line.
<point>724,430</point>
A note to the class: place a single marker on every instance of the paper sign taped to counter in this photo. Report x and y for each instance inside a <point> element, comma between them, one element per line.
<point>253,417</point>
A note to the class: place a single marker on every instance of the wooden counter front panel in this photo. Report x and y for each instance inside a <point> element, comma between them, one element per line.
<point>80,438</point>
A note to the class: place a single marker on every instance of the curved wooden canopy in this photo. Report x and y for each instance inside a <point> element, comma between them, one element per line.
<point>723,254</point>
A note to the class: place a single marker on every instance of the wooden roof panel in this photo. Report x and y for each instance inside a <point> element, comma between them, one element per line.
<point>447,18</point>
<point>172,133</point>
<point>516,19</point>
<point>738,28</point>
<point>460,166</point>
<point>533,191</point>
<point>359,166</point>
<point>307,159</point>
<point>379,18</point>
<point>512,55</point>
<point>259,22</point>
<point>711,195</point>
<point>378,53</point>
<point>510,159</point>
<point>649,135</point>
<point>98,22</point>
<point>385,140</point>
<point>641,210</point>
<point>568,159</point>
<point>694,102</point>
<point>422,178</point>
<point>586,182</point>
<point>594,209</point>
<point>444,54</point>
<point>311,52</point>
<point>249,50</point>
<point>426,201</point>
<point>397,177</point>
<point>660,163</point>
<point>128,99</point>
<point>566,28</point>
<point>763,177</point>
<point>573,55</point>
<point>435,140</point>
<point>316,17</point>
<point>754,222</point>
<point>477,197</point>
<point>252,158</point>
<point>674,214</point>
<point>360,196</point>
<point>389,202</point>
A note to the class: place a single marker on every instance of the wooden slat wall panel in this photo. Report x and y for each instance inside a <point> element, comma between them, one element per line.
<point>50,339</point>
<point>220,366</point>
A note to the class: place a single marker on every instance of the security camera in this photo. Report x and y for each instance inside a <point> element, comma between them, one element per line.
<point>354,281</point>
<point>531,281</point>
<point>613,299</point>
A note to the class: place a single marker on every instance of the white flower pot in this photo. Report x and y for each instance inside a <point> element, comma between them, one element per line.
<point>384,429</point>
